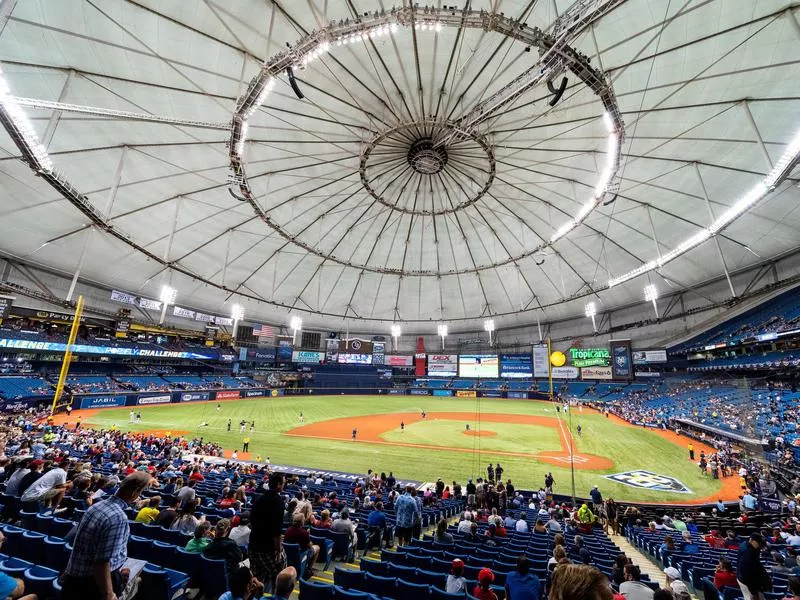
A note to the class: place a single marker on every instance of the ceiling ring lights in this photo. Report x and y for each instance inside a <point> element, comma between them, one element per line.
<point>427,157</point>
<point>556,57</point>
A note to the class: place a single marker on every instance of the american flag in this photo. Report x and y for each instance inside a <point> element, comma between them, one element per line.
<point>263,331</point>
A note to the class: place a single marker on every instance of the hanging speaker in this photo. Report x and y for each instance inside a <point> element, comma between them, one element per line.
<point>557,93</point>
<point>293,83</point>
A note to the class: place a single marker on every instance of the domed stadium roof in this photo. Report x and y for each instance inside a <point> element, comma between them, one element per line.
<point>423,175</point>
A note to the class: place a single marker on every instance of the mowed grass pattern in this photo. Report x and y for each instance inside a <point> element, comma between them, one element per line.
<point>628,447</point>
<point>510,437</point>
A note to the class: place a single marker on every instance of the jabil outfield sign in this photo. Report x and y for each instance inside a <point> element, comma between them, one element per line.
<point>590,357</point>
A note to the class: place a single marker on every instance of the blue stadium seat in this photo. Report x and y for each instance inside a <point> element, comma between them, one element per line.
<point>60,527</point>
<point>439,594</point>
<point>296,558</point>
<point>380,586</point>
<point>375,567</point>
<point>345,578</point>
<point>55,554</point>
<point>214,577</point>
<point>139,547</point>
<point>32,547</point>
<point>431,578</point>
<point>189,563</point>
<point>162,584</point>
<point>340,593</point>
<point>43,523</point>
<point>162,553</point>
<point>39,581</point>
<point>13,539</point>
<point>15,567</point>
<point>410,591</point>
<point>400,571</point>
<point>314,590</point>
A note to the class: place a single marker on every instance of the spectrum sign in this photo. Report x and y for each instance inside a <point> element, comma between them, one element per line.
<point>590,357</point>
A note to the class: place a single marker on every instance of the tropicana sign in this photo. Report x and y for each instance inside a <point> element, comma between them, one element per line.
<point>590,357</point>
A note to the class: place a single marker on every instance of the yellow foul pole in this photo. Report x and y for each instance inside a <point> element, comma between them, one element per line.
<point>73,333</point>
<point>549,369</point>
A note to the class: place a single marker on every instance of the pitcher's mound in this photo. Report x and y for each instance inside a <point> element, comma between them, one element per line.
<point>481,433</point>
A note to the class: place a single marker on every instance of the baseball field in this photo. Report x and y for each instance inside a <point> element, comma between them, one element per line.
<point>456,440</point>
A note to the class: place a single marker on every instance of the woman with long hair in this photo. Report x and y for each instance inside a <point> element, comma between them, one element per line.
<point>579,582</point>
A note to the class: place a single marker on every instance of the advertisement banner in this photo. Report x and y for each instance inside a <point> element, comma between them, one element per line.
<point>517,395</point>
<point>396,392</point>
<point>203,317</point>
<point>355,359</point>
<point>621,362</point>
<point>227,321</point>
<point>331,350</point>
<point>102,401</point>
<point>478,365</point>
<point>177,311</point>
<point>378,353</point>
<point>516,366</point>
<point>196,396</point>
<point>5,306</point>
<point>254,393</point>
<point>257,354</point>
<point>443,365</point>
<point>541,361</point>
<point>112,350</point>
<point>565,373</point>
<point>228,394</point>
<point>126,298</point>
<point>596,373</point>
<point>642,357</point>
<point>589,357</point>
<point>492,394</point>
<point>308,357</point>
<point>437,392</point>
<point>418,392</point>
<point>284,351</point>
<point>647,374</point>
<point>395,360</point>
<point>160,399</point>
<point>466,394</point>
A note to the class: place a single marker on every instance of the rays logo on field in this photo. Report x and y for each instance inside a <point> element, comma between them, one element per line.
<point>650,481</point>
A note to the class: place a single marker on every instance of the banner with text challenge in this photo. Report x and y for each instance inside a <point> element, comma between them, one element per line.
<point>621,362</point>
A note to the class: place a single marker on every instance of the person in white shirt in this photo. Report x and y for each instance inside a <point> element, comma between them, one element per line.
<point>49,489</point>
<point>344,525</point>
<point>465,525</point>
<point>675,584</point>
<point>632,588</point>
<point>553,526</point>
<point>522,524</point>
<point>241,533</point>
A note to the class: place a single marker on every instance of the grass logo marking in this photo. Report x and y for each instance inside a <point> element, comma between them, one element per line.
<point>647,480</point>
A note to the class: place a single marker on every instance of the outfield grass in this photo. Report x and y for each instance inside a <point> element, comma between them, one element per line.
<point>529,439</point>
<point>628,447</point>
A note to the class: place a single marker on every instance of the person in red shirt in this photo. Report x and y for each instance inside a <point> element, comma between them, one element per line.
<point>483,591</point>
<point>228,500</point>
<point>724,574</point>
<point>714,539</point>
<point>196,475</point>
<point>297,534</point>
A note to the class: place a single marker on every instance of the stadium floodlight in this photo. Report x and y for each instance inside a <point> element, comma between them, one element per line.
<point>168,296</point>
<point>441,330</point>
<point>22,129</point>
<point>591,312</point>
<point>237,314</point>
<point>296,323</point>
<point>488,325</point>
<point>395,329</point>
<point>651,295</point>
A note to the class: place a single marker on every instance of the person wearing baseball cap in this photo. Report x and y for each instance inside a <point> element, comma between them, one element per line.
<point>456,584</point>
<point>675,584</point>
<point>483,591</point>
<point>752,576</point>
